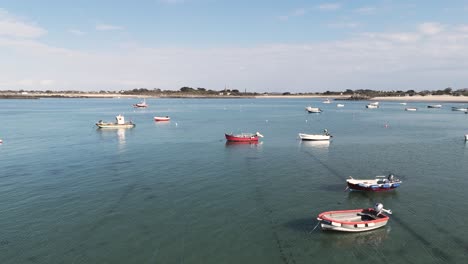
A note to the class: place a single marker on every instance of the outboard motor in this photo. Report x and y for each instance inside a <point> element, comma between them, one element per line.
<point>390,177</point>
<point>378,207</point>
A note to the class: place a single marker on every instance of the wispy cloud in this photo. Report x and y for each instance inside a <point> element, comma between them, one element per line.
<point>108,27</point>
<point>430,28</point>
<point>77,32</point>
<point>13,26</point>
<point>171,1</point>
<point>329,6</point>
<point>344,25</point>
<point>295,13</point>
<point>365,10</point>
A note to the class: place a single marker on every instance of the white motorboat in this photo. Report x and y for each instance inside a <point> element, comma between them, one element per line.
<point>411,109</point>
<point>466,137</point>
<point>120,123</point>
<point>372,106</point>
<point>374,103</point>
<point>327,101</point>
<point>339,105</point>
<point>357,220</point>
<point>461,109</point>
<point>316,137</point>
<point>379,184</point>
<point>435,106</point>
<point>311,109</point>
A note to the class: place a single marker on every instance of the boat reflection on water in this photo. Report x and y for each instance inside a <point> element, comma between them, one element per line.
<point>112,133</point>
<point>248,144</point>
<point>372,238</point>
<point>323,144</point>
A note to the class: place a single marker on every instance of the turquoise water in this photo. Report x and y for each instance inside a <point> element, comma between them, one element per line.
<point>177,193</point>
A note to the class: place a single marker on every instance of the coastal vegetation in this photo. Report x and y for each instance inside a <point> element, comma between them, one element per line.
<point>348,94</point>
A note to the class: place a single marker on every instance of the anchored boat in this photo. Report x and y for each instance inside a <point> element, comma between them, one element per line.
<point>120,123</point>
<point>316,137</point>
<point>357,220</point>
<point>311,109</point>
<point>435,106</point>
<point>142,104</point>
<point>379,184</point>
<point>161,118</point>
<point>412,109</point>
<point>243,137</point>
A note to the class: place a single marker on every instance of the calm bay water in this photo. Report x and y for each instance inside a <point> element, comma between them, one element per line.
<point>177,193</point>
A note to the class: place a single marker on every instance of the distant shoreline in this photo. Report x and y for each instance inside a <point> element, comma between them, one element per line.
<point>416,98</point>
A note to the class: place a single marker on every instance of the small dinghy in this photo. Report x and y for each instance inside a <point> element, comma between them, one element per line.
<point>161,118</point>
<point>379,184</point>
<point>411,109</point>
<point>357,220</point>
<point>435,106</point>
<point>372,106</point>
<point>466,138</point>
<point>311,109</point>
<point>403,103</point>
<point>142,104</point>
<point>461,109</point>
<point>339,105</point>
<point>327,101</point>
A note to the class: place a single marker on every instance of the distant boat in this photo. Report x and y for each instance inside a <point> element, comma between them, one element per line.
<point>357,220</point>
<point>142,104</point>
<point>403,103</point>
<point>120,123</point>
<point>411,109</point>
<point>243,137</point>
<point>339,105</point>
<point>466,137</point>
<point>1,141</point>
<point>327,101</point>
<point>379,184</point>
<point>462,109</point>
<point>311,109</point>
<point>434,106</point>
<point>161,118</point>
<point>374,103</point>
<point>372,106</point>
<point>315,137</point>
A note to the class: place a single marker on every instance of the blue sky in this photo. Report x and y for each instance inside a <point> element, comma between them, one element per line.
<point>298,46</point>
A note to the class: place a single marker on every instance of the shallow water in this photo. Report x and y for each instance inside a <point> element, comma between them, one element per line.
<point>176,192</point>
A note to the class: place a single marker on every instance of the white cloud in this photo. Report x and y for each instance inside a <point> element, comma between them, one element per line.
<point>77,32</point>
<point>13,26</point>
<point>365,10</point>
<point>463,28</point>
<point>375,60</point>
<point>430,28</point>
<point>329,6</point>
<point>344,25</point>
<point>108,27</point>
<point>46,82</point>
<point>296,13</point>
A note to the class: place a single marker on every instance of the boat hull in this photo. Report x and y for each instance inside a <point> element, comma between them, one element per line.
<point>372,106</point>
<point>313,109</point>
<point>466,137</point>
<point>411,109</point>
<point>375,185</point>
<point>310,137</point>
<point>161,119</point>
<point>358,220</point>
<point>115,126</point>
<point>241,138</point>
<point>434,106</point>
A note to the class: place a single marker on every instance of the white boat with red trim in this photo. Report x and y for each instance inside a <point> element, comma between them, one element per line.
<point>357,220</point>
<point>161,118</point>
<point>379,184</point>
<point>142,104</point>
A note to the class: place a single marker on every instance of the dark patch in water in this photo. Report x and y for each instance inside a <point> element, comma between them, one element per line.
<point>305,225</point>
<point>150,197</point>
<point>330,169</point>
<point>4,243</point>
<point>333,187</point>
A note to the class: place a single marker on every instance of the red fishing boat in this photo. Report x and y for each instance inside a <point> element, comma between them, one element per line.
<point>161,118</point>
<point>244,137</point>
